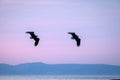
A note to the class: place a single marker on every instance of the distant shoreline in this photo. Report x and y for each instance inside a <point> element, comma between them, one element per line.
<point>59,69</point>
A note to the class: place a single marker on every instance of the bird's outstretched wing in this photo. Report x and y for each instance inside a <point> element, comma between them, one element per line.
<point>36,41</point>
<point>78,41</point>
<point>33,36</point>
<point>74,36</point>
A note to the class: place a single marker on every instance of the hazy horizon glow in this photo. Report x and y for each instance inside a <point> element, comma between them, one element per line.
<point>96,22</point>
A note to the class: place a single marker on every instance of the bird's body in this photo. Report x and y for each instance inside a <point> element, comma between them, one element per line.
<point>74,36</point>
<point>33,36</point>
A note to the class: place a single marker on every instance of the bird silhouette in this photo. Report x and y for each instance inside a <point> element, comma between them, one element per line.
<point>33,36</point>
<point>74,36</point>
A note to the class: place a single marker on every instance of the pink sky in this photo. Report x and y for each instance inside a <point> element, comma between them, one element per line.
<point>96,23</point>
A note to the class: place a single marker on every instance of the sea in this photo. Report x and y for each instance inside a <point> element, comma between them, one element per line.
<point>59,77</point>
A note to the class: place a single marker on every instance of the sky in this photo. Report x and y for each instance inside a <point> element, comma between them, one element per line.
<point>96,22</point>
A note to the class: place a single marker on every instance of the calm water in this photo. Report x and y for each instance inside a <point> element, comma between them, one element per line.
<point>57,77</point>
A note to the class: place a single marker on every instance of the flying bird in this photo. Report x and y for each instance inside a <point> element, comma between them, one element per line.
<point>33,36</point>
<point>74,36</point>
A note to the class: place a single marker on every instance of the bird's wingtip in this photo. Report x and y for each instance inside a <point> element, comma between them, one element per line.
<point>27,32</point>
<point>69,32</point>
